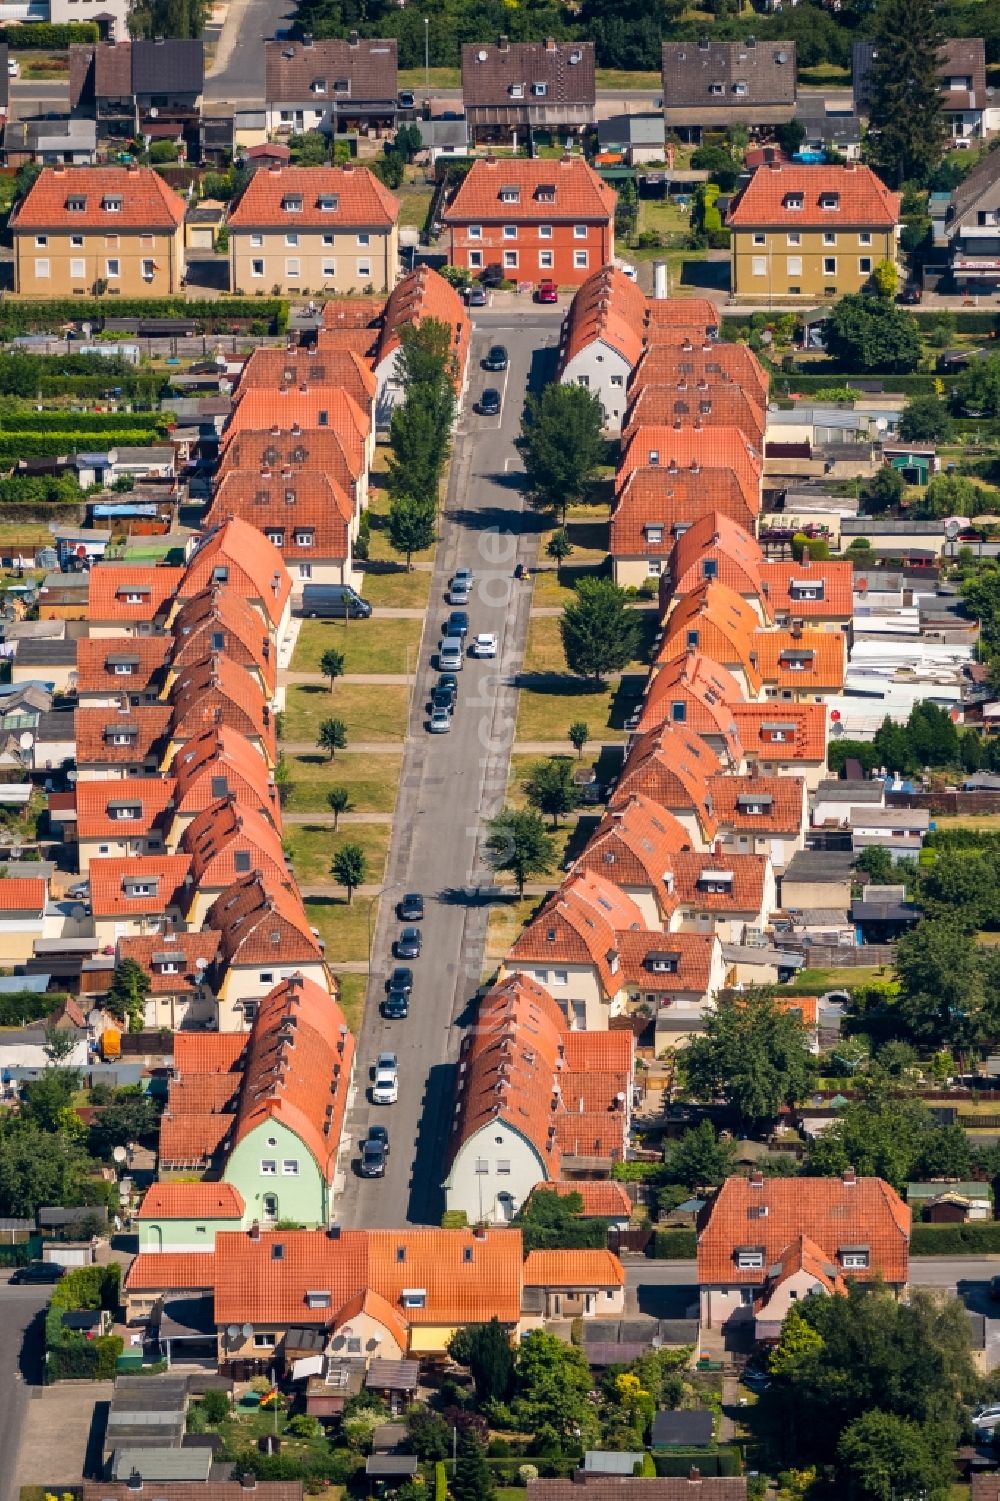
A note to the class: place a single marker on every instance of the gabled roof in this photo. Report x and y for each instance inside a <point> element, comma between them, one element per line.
<point>297,366</point>
<point>782,731</point>
<point>226,841</point>
<point>190,1201</point>
<point>121,736</point>
<point>780,800</point>
<point>835,580</point>
<point>371,1305</point>
<point>220,619</point>
<point>103,808</point>
<point>719,404</point>
<point>654,505</point>
<point>421,294</point>
<point>688,317</point>
<point>137,886</point>
<point>262,924</point>
<point>238,554</point>
<point>306,502</point>
<point>346,314</point>
<point>832,1213</point>
<point>217,762</point>
<point>490,70</point>
<point>696,449</point>
<point>159,953</point>
<point>609,307</point>
<point>669,359</point>
<point>688,965</point>
<point>632,847</point>
<point>355,197</point>
<point>718,622</point>
<point>292,410</point>
<point>168,65</point>
<point>738,556</point>
<point>460,1288</point>
<point>144,201</point>
<point>810,659</point>
<point>25,897</point>
<point>178,1271</point>
<point>804,1255</point>
<point>673,767</point>
<point>130,593</point>
<point>220,691</point>
<point>695,691</point>
<point>574,1269</point>
<point>766,71</point>
<point>982,186</point>
<point>281,455</point>
<point>368,65</point>
<point>111,664</point>
<point>578,925</point>
<point>699,880</point>
<point>548,191</point>
<point>781,195</point>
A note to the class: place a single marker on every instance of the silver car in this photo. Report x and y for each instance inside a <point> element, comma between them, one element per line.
<point>439,722</point>
<point>451,654</point>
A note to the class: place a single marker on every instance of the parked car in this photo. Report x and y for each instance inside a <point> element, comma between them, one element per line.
<point>457,623</point>
<point>458,593</point>
<point>396,1006</point>
<point>447,682</point>
<point>489,403</point>
<point>463,576</point>
<point>547,292</point>
<point>13,68</point>
<point>443,698</point>
<point>373,1155</point>
<point>405,99</point>
<point>496,358</point>
<point>334,602</point>
<point>37,1272</point>
<point>385,1090</point>
<point>379,1133</point>
<point>411,908</point>
<point>484,645</point>
<point>451,651</point>
<point>476,297</point>
<point>408,944</point>
<point>440,722</point>
<point>995,1287</point>
<point>401,979</point>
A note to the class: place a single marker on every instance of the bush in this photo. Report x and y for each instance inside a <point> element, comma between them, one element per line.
<point>454,1219</point>
<point>21,1006</point>
<point>163,151</point>
<point>440,1481</point>
<point>82,422</point>
<point>47,36</point>
<point>981,1239</point>
<point>36,445</point>
<point>69,1355</point>
<point>218,315</point>
<point>711,1462</point>
<point>675,1245</point>
<point>215,1405</point>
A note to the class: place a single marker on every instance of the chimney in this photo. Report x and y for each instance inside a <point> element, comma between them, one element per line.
<point>774,166</point>
<point>797,631</point>
<point>502,44</point>
<point>334,1232</point>
<point>254,1231</point>
<point>550,44</point>
<point>805,557</point>
<point>353,39</point>
<point>694,1475</point>
<point>756,1179</point>
<point>479,1233</point>
<point>659,281</point>
<point>248,1480</point>
<point>850,1177</point>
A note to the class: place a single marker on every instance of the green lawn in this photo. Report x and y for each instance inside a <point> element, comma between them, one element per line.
<point>397,589</point>
<point>311,848</point>
<point>378,509</point>
<point>369,713</point>
<point>666,217</point>
<point>506,921</point>
<point>622,78</point>
<point>418,80</point>
<point>352,998</point>
<point>414,204</point>
<point>371,781</point>
<point>368,646</point>
<point>544,650</point>
<point>845,977</point>
<point>343,928</point>
<point>557,587</point>
<point>547,707</point>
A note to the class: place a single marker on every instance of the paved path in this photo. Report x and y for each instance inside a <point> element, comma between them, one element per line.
<point>450,786</point>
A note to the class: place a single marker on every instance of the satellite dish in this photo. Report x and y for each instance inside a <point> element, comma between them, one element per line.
<point>233,1331</point>
<point>200,964</point>
<point>26,740</point>
<point>247,1330</point>
<point>781,57</point>
<point>482,54</point>
<point>119,1154</point>
<point>952,529</point>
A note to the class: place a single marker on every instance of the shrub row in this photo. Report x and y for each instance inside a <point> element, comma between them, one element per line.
<point>675,1245</point>
<point>149,387</point>
<point>27,317</point>
<point>35,445</point>
<point>21,1253</point>
<point>47,35</point>
<point>21,1006</point>
<point>81,422</point>
<point>907,385</point>
<point>965,322</point>
<point>982,1239</point>
<point>712,1462</point>
<point>69,1355</point>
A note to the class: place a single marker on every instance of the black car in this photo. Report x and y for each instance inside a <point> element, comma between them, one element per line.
<point>443,698</point>
<point>458,623</point>
<point>447,680</point>
<point>396,1006</point>
<point>496,359</point>
<point>373,1155</point>
<point>489,403</point>
<point>995,1288</point>
<point>408,944</point>
<point>400,979</point>
<point>379,1134</point>
<point>411,908</point>
<point>37,1272</point>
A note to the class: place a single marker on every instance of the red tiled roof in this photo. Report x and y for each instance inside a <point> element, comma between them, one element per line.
<point>574,1269</point>
<point>146,201</point>
<point>421,294</point>
<point>801,728</point>
<point>293,411</point>
<point>130,593</point>
<point>226,841</point>
<point>97,658</point>
<point>632,847</point>
<point>207,1052</point>
<point>718,622</point>
<point>192,1141</point>
<point>653,498</point>
<point>184,949</point>
<point>320,507</point>
<point>823,653</point>
<point>669,358</point>
<point>804,1255</point>
<point>262,924</point>
<point>271,368</point>
<point>458,1291</point>
<point>833,1214</point>
<point>218,691</point>
<point>696,688</point>
<point>693,875</point>
<point>178,1271</point>
<point>605,1199</point>
<point>110,881</point>
<point>96,817</point>
<point>722,404</point>
<point>609,307</point>
<point>97,728</point>
<point>202,1094</point>
<point>692,953</point>
<point>189,1201</point>
<point>220,612</point>
<point>673,767</point>
<point>578,925</point>
<point>580,194</point>
<point>681,314</point>
<point>362,201</point>
<point>736,553</point>
<point>837,581</point>
<point>781,798</point>
<point>238,554</point>
<point>218,762</point>
<point>863,200</point>
<point>696,449</point>
<point>375,1307</point>
<point>282,456</point>
<point>23,896</point>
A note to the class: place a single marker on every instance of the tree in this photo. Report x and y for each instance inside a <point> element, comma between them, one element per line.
<point>600,633</point>
<point>953,495</point>
<point>426,356</point>
<point>517,841</point>
<point>310,148</point>
<point>865,334</point>
<point>473,1478</point>
<point>799,1342</point>
<point>880,1137</point>
<point>717,161</point>
<point>39,1168</point>
<point>977,389</point>
<point>59,1043</point>
<point>883,491</point>
<point>283,778</point>
<point>941,981</point>
<point>925,419</point>
<point>906,130</point>
<point>553,1387</point>
<point>876,863</point>
<point>129,1116</point>
<point>882,1455</point>
<point>790,136</point>
<point>350,867</point>
<point>559,547</point>
<point>126,996</point>
<point>699,1159</point>
<point>752,1055</point>
<point>428,1433</point>
<point>390,167</point>
<point>415,439</point>
<point>563,443</point>
<point>486,1350</point>
<point>579,734</point>
<point>45,1100</point>
<point>332,736</point>
<point>331,665</point>
<point>410,525</point>
<point>338,800</point>
<point>553,1222</point>
<point>549,788</point>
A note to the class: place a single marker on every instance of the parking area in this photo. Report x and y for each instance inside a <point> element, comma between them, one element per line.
<point>75,1410</point>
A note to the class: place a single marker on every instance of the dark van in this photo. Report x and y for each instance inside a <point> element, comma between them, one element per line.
<point>334,601</point>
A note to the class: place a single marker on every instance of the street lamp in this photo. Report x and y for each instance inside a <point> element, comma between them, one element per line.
<point>427,55</point>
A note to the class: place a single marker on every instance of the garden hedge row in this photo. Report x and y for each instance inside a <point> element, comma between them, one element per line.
<point>48,36</point>
<point>982,1239</point>
<point>29,316</point>
<point>906,385</point>
<point>69,1355</point>
<point>22,1006</point>
<point>82,422</point>
<point>35,445</point>
<point>965,322</point>
<point>710,1462</point>
<point>675,1245</point>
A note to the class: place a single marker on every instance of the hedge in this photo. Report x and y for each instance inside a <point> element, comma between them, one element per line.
<point>18,317</point>
<point>35,445</point>
<point>21,1006</point>
<point>965,322</point>
<point>22,1252</point>
<point>440,1481</point>
<point>709,1462</point>
<point>675,1245</point>
<point>905,385</point>
<point>81,422</point>
<point>69,1355</point>
<point>982,1239</point>
<point>47,35</point>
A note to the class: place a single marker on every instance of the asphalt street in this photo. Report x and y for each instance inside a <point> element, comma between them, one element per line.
<point>21,1319</point>
<point>237,75</point>
<point>450,786</point>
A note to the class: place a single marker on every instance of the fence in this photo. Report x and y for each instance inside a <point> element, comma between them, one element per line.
<point>629,1242</point>
<point>836,956</point>
<point>949,801</point>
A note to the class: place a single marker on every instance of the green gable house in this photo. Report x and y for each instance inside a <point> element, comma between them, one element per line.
<point>257,1117</point>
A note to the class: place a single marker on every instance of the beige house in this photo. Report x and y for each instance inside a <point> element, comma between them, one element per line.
<point>84,230</point>
<point>300,230</point>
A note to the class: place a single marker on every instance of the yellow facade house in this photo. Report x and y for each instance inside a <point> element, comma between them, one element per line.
<point>82,231</point>
<point>299,230</point>
<point>811,232</point>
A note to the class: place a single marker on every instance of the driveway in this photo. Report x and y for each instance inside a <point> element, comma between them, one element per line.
<point>450,786</point>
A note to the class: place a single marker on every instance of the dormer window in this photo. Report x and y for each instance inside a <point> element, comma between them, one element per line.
<point>413,1297</point>
<point>277,538</point>
<point>304,539</point>
<point>794,201</point>
<point>546,192</point>
<point>750,1258</point>
<point>328,203</point>
<point>342,86</point>
<point>139,888</point>
<point>111,203</point>
<point>663,963</point>
<point>653,458</point>
<point>758,803</point>
<point>740,88</point>
<point>125,810</point>
<point>292,203</point>
<point>829,200</point>
<point>717,89</point>
<point>510,194</point>
<point>777,734</point>
<point>517,91</point>
<point>854,1258</point>
<point>76,205</point>
<point>716,882</point>
<point>806,588</point>
<point>318,86</point>
<point>797,661</point>
<point>539,90</point>
<point>654,534</point>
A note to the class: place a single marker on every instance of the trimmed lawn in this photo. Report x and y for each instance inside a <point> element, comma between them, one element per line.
<point>343,928</point>
<point>397,590</point>
<point>368,645</point>
<point>371,782</point>
<point>622,78</point>
<point>665,216</point>
<point>417,80</point>
<point>845,977</point>
<point>505,923</point>
<point>378,509</point>
<point>311,848</point>
<point>352,998</point>
<point>984,821</point>
<point>554,587</point>
<point>26,532</point>
<point>370,713</point>
<point>414,203</point>
<point>547,707</point>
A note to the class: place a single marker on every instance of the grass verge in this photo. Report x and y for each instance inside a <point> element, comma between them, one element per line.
<point>375,645</point>
<point>371,784</point>
<point>397,589</point>
<point>352,998</point>
<point>343,928</point>
<point>311,848</point>
<point>370,714</point>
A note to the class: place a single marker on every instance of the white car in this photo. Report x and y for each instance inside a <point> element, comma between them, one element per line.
<point>13,68</point>
<point>439,722</point>
<point>385,1090</point>
<point>484,645</point>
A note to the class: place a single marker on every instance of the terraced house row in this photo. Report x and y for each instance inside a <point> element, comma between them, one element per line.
<point>671,900</point>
